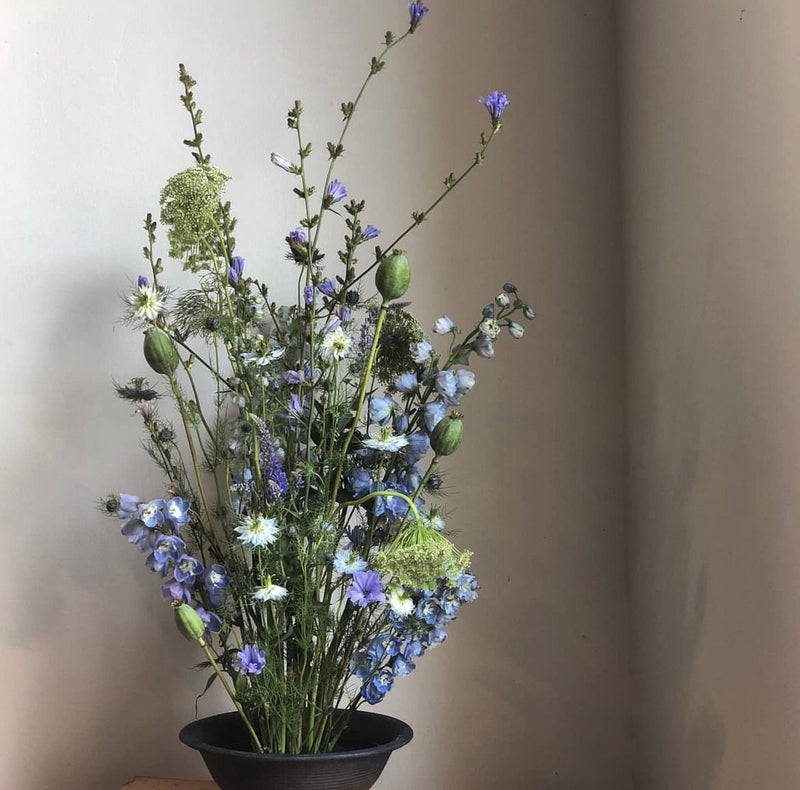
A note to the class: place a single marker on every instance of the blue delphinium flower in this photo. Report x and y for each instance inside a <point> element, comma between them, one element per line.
<point>187,569</point>
<point>360,482</point>
<point>418,445</point>
<point>416,11</point>
<point>370,232</point>
<point>235,270</point>
<point>433,413</point>
<point>217,581</point>
<point>495,103</point>
<point>173,590</point>
<point>250,660</point>
<point>336,191</point>
<point>381,410</point>
<point>212,620</point>
<point>421,351</point>
<point>366,588</point>
<point>406,382</point>
<point>128,506</point>
<point>152,514</point>
<point>138,533</point>
<point>177,512</point>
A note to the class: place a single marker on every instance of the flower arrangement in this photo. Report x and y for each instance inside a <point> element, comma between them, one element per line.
<point>299,537</point>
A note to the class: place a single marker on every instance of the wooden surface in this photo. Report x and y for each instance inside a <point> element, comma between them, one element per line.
<point>150,783</point>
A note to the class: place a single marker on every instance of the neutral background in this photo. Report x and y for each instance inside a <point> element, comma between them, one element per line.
<point>627,480</point>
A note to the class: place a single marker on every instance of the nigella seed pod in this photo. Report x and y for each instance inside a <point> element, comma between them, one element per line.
<point>166,435</point>
<point>447,435</point>
<point>212,323</point>
<point>189,623</point>
<point>160,352</point>
<point>393,276</point>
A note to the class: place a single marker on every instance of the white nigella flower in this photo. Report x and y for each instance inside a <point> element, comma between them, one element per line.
<point>490,328</point>
<point>257,530</point>
<point>386,440</point>
<point>400,602</point>
<point>270,592</point>
<point>515,330</point>
<point>336,344</point>
<point>443,325</point>
<point>147,302</point>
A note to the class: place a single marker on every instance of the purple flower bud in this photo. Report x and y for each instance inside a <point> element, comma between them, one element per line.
<point>416,11</point>
<point>235,270</point>
<point>281,162</point>
<point>308,295</point>
<point>495,103</point>
<point>142,281</point>
<point>327,287</point>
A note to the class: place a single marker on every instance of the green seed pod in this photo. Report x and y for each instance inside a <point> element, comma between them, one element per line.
<point>393,276</point>
<point>189,622</point>
<point>160,352</point>
<point>447,434</point>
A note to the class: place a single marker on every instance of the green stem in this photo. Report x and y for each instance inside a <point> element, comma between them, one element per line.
<point>229,691</point>
<point>361,397</point>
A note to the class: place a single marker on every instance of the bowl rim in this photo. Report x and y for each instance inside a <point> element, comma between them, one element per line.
<point>189,736</point>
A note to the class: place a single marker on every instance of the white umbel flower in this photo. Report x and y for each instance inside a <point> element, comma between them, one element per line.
<point>257,530</point>
<point>336,344</point>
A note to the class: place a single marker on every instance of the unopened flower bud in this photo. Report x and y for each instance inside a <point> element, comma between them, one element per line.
<point>447,435</point>
<point>527,311</point>
<point>515,330</point>
<point>443,325</point>
<point>189,623</point>
<point>509,288</point>
<point>502,299</point>
<point>488,311</point>
<point>282,162</point>
<point>393,276</point>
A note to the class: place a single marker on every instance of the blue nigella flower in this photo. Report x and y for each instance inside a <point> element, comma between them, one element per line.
<point>495,103</point>
<point>366,588</point>
<point>336,191</point>
<point>250,660</point>
<point>416,11</point>
<point>235,270</point>
<point>348,562</point>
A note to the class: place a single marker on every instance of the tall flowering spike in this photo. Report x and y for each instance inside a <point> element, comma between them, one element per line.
<point>416,11</point>
<point>495,103</point>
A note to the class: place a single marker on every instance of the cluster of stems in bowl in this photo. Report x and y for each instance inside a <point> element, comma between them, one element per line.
<point>299,538</point>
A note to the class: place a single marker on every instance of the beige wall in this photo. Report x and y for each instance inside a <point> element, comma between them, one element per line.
<point>531,691</point>
<point>711,123</point>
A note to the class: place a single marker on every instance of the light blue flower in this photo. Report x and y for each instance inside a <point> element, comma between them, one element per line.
<point>348,562</point>
<point>421,351</point>
<point>406,382</point>
<point>433,413</point>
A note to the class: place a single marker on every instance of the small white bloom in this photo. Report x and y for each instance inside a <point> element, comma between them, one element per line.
<point>490,328</point>
<point>502,299</point>
<point>270,592</point>
<point>282,162</point>
<point>257,530</point>
<point>147,303</point>
<point>443,325</point>
<point>400,602</point>
<point>386,440</point>
<point>421,351</point>
<point>336,344</point>
<point>515,330</point>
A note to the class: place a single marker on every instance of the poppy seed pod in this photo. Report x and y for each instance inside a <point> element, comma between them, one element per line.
<point>447,435</point>
<point>189,623</point>
<point>160,352</point>
<point>393,276</point>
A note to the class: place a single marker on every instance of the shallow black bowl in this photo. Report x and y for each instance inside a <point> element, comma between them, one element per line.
<point>356,763</point>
